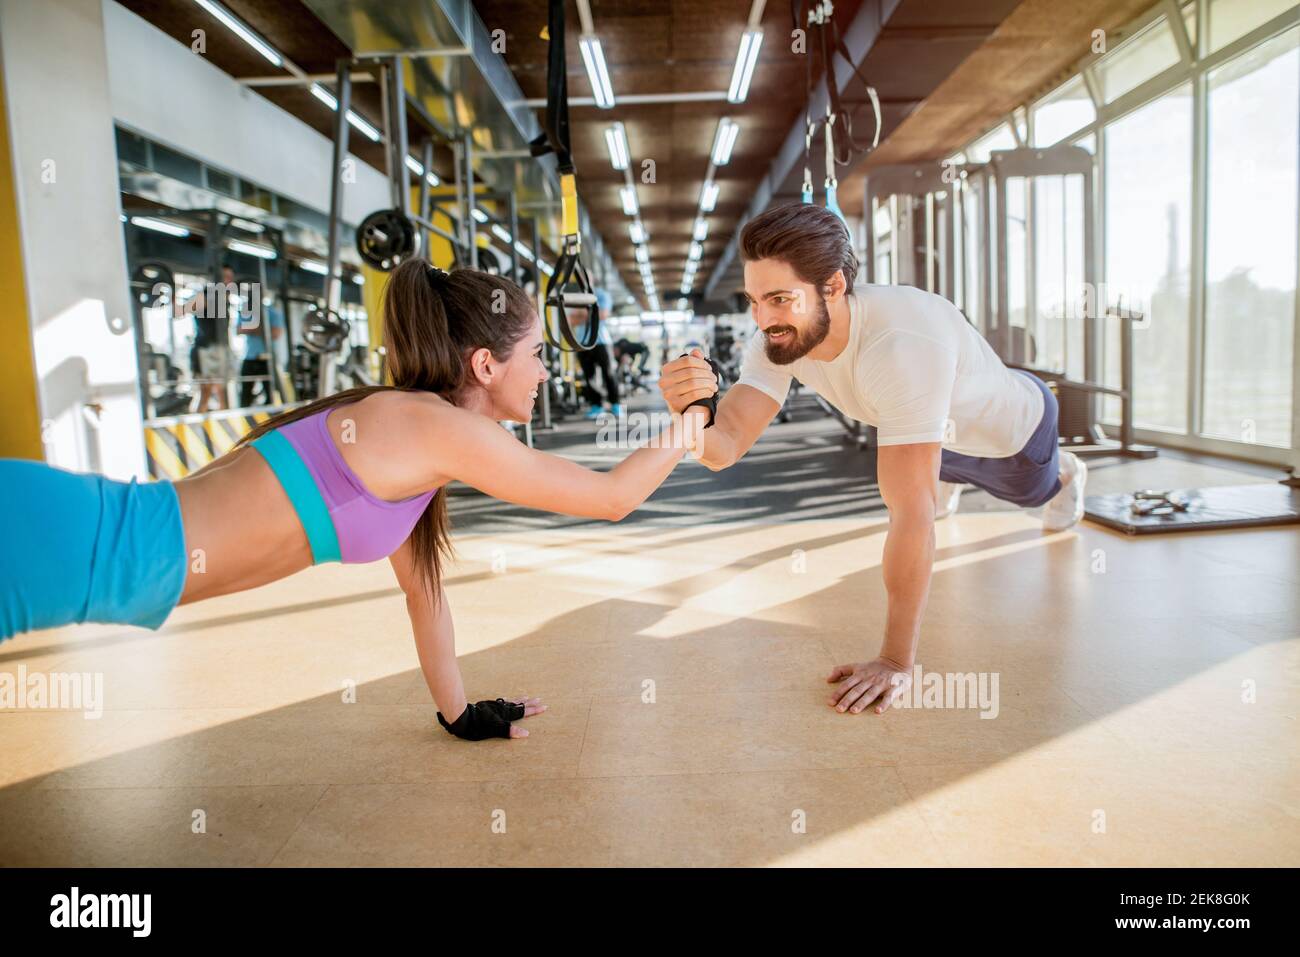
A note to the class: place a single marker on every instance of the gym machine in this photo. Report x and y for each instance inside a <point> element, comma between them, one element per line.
<point>918,200</point>
<point>1079,399</point>
<point>925,207</point>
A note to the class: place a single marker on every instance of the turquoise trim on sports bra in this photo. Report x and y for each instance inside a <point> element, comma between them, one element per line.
<point>303,493</point>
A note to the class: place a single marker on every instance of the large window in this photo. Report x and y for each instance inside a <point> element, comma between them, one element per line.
<point>1250,274</point>
<point>1000,138</point>
<point>1137,60</point>
<point>1061,112</point>
<point>1058,273</point>
<point>882,221</point>
<point>972,199</point>
<point>1232,19</point>
<point>1017,254</point>
<point>1148,216</point>
<point>1194,123</point>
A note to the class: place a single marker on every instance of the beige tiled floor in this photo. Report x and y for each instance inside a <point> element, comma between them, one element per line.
<point>1147,710</point>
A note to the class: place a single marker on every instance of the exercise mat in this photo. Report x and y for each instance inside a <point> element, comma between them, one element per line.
<point>1226,506</point>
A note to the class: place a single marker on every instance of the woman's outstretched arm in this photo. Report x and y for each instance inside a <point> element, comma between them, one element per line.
<point>477,451</point>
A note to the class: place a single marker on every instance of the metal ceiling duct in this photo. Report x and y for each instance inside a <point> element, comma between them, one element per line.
<point>463,84</point>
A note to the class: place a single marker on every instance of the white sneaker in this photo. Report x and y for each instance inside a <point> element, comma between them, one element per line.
<point>949,497</point>
<point>1066,507</point>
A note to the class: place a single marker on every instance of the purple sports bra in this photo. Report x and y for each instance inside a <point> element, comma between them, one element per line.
<point>368,528</point>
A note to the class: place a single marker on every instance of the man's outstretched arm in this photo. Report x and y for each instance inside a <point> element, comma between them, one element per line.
<point>909,484</point>
<point>743,413</point>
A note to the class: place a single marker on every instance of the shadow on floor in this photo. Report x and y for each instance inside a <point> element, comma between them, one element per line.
<point>737,735</point>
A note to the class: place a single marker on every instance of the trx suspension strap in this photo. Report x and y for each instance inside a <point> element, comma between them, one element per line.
<point>569,286</point>
<point>832,183</point>
<point>808,129</point>
<point>840,150</point>
<point>807,191</point>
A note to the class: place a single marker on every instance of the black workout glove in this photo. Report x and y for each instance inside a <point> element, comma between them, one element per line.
<point>486,719</point>
<point>711,403</point>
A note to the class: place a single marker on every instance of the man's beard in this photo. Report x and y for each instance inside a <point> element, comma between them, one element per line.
<point>803,342</point>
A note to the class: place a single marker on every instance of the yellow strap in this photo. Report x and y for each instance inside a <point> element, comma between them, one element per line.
<point>569,196</point>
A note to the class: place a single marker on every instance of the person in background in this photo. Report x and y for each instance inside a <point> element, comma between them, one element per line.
<point>600,356</point>
<point>211,360</point>
<point>255,371</point>
<point>632,358</point>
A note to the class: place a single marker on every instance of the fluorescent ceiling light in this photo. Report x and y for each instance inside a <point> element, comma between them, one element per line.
<point>478,214</point>
<point>637,232</point>
<point>247,225</point>
<point>500,233</point>
<point>708,196</point>
<point>416,167</point>
<point>359,279</point>
<point>628,195</point>
<point>328,98</point>
<point>312,265</point>
<point>325,96</point>
<point>696,252</point>
<point>724,140</point>
<point>701,232</point>
<point>616,143</point>
<point>593,57</point>
<point>743,72</point>
<point>524,251</point>
<point>159,226</point>
<point>366,129</point>
<point>250,249</point>
<point>240,30</point>
<point>642,254</point>
<point>544,267</point>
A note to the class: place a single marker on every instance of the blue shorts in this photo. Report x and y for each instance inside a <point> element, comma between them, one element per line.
<point>79,547</point>
<point>1030,477</point>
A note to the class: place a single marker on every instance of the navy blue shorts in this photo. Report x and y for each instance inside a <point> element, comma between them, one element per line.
<point>1030,477</point>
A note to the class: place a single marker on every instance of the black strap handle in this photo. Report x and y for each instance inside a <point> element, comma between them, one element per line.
<point>569,287</point>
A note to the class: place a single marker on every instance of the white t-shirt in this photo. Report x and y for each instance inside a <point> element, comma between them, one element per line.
<point>916,370</point>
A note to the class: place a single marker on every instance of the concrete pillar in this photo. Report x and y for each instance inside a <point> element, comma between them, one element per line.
<point>67,307</point>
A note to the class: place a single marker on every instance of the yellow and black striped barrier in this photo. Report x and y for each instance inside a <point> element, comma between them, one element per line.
<point>177,445</point>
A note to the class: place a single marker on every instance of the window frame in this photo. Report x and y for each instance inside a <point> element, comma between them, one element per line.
<point>1192,68</point>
